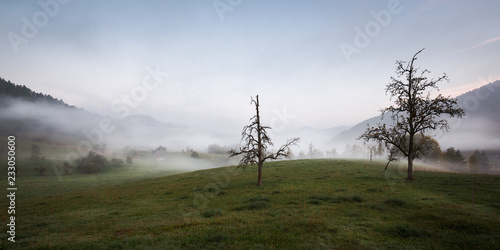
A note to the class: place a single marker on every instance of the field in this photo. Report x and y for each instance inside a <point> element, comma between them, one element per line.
<point>311,204</point>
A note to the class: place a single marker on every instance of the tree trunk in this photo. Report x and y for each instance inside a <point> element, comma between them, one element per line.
<point>259,178</point>
<point>411,153</point>
<point>259,146</point>
<point>410,168</point>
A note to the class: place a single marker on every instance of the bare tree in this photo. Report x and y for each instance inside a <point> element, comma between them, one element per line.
<point>255,149</point>
<point>413,111</point>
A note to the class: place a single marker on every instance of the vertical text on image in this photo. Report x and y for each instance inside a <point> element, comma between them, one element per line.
<point>11,178</point>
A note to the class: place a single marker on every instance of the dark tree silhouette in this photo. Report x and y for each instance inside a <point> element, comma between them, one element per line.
<point>35,153</point>
<point>414,112</point>
<point>129,160</point>
<point>92,163</point>
<point>67,168</point>
<point>255,149</point>
<point>37,159</point>
<point>40,169</point>
<point>473,164</point>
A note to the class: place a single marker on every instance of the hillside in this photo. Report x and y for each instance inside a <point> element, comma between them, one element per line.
<point>30,115</point>
<point>478,129</point>
<point>311,204</point>
<point>21,92</point>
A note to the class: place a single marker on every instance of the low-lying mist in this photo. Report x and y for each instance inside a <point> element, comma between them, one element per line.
<point>185,162</point>
<point>68,133</point>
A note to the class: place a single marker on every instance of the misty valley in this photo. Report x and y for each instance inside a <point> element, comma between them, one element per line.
<point>233,124</point>
<point>137,182</point>
<point>65,132</point>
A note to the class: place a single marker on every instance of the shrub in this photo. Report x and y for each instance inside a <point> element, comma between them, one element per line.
<point>115,162</point>
<point>92,163</point>
<point>66,168</point>
<point>195,155</point>
<point>40,169</point>
<point>129,160</point>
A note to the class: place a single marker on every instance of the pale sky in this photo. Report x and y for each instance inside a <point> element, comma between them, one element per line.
<point>314,63</point>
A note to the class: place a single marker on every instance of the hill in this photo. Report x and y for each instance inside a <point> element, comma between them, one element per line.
<point>312,204</point>
<point>478,129</point>
<point>11,90</point>
<point>31,116</point>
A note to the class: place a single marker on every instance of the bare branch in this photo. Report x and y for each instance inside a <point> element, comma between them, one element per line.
<point>413,112</point>
<point>256,141</point>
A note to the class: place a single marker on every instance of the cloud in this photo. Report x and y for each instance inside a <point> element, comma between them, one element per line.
<point>491,40</point>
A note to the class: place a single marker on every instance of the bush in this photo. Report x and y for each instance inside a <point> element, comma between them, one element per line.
<point>92,163</point>
<point>129,160</point>
<point>217,149</point>
<point>40,169</point>
<point>195,155</point>
<point>66,168</point>
<point>115,162</point>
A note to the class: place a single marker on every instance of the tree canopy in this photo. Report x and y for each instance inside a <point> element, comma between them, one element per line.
<point>414,111</point>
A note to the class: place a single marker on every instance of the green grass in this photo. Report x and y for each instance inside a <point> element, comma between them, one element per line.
<point>311,204</point>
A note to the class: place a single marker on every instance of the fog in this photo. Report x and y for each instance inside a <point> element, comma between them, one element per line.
<point>79,131</point>
<point>41,119</point>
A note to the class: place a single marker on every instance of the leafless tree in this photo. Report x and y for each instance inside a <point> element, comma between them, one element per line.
<point>414,112</point>
<point>256,142</point>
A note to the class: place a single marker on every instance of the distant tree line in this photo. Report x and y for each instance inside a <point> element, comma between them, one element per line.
<point>217,149</point>
<point>10,89</point>
<point>477,161</point>
<point>95,163</point>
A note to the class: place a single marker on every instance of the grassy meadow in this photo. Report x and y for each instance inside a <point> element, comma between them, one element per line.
<point>311,204</point>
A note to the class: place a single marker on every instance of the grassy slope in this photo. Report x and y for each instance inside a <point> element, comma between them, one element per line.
<point>304,204</point>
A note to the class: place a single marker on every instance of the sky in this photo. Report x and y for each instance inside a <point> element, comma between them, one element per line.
<point>319,63</point>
